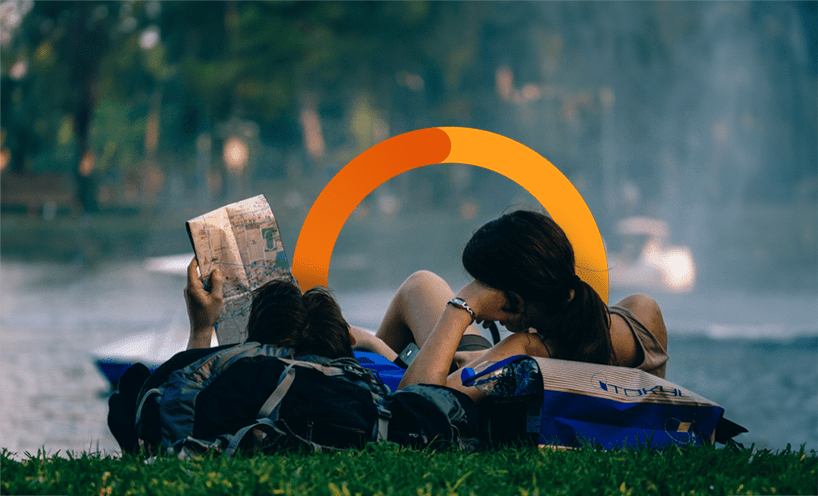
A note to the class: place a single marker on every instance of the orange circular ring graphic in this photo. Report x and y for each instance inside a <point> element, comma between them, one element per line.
<point>454,145</point>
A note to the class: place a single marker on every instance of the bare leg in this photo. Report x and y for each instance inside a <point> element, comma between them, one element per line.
<point>415,309</point>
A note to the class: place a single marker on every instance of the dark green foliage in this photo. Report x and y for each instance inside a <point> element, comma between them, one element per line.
<point>388,469</point>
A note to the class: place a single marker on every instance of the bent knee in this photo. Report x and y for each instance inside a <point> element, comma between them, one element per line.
<point>425,284</point>
<point>423,279</point>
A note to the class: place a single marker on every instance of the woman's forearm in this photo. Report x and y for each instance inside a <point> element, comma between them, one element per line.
<point>432,363</point>
<point>366,341</point>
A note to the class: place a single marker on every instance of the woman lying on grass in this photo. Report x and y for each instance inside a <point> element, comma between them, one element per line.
<point>524,277</point>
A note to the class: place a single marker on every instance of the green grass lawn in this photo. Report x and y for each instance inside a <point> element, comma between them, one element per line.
<point>388,469</point>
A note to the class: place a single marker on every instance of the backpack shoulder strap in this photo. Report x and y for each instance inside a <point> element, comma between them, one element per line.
<point>270,407</point>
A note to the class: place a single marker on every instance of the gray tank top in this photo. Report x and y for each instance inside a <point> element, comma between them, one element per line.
<point>655,357</point>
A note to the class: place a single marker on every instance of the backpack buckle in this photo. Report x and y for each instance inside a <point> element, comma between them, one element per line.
<point>354,371</point>
<point>384,412</point>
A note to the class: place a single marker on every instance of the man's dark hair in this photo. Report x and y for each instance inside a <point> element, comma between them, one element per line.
<point>310,323</point>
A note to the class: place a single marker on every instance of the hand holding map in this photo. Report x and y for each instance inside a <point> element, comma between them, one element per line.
<point>243,240</point>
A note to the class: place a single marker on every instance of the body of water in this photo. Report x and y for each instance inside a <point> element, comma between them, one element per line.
<point>754,354</point>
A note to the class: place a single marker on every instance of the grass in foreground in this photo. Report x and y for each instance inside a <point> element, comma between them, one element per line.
<point>388,469</point>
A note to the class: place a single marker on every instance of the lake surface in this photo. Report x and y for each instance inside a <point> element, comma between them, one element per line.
<point>754,354</point>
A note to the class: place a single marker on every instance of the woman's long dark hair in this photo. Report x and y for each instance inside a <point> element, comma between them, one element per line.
<point>528,254</point>
<point>310,323</point>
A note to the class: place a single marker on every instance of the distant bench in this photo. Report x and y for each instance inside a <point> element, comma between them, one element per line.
<point>38,194</point>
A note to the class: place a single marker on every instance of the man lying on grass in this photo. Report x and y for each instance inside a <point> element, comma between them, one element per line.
<point>284,326</point>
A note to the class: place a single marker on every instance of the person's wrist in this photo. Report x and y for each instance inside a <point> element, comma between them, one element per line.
<point>201,329</point>
<point>461,303</point>
<point>200,337</point>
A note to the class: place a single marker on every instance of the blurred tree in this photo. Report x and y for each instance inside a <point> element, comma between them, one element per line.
<point>129,84</point>
<point>271,62</point>
<point>260,59</point>
<point>65,44</point>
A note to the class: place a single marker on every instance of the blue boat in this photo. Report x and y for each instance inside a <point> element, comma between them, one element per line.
<point>154,347</point>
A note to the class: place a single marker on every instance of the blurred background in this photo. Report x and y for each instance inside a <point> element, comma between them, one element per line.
<point>689,128</point>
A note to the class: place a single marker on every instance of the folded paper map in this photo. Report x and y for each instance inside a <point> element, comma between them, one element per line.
<point>242,239</point>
